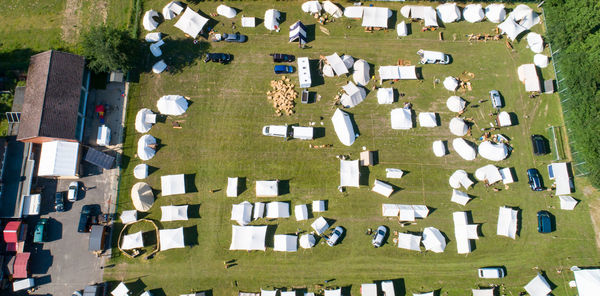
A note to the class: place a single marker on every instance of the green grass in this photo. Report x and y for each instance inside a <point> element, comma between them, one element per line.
<point>221,137</point>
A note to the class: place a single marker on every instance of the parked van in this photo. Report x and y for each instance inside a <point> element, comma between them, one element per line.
<point>491,272</point>
<point>433,57</point>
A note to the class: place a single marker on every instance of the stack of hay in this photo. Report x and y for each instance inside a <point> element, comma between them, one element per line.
<point>283,96</point>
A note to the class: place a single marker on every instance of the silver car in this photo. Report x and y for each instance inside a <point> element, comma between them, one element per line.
<point>72,192</point>
<point>379,236</point>
<point>335,236</point>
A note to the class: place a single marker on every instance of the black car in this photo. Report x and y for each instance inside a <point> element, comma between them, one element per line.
<point>59,202</point>
<point>539,145</point>
<point>281,58</point>
<point>84,218</point>
<point>544,222</point>
<point>222,58</point>
<point>535,180</point>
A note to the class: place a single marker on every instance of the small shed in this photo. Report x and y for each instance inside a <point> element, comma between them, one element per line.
<point>367,158</point>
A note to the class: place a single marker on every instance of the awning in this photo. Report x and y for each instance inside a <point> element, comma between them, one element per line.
<point>99,159</point>
<point>191,22</point>
<point>172,184</point>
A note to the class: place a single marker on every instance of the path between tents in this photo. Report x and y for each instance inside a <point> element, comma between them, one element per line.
<point>589,192</point>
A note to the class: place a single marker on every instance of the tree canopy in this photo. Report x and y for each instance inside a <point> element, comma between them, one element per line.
<point>109,49</point>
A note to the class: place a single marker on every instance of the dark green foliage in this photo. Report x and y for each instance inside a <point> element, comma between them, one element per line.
<point>109,49</point>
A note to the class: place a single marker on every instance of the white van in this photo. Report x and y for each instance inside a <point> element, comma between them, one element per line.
<point>433,57</point>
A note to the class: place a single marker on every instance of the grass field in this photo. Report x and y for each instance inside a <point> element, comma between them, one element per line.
<point>221,137</point>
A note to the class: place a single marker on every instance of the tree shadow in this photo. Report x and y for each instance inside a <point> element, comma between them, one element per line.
<point>190,235</point>
<point>190,183</point>
<point>13,62</point>
<point>182,53</point>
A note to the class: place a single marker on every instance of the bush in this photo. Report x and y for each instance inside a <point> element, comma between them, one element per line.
<point>109,49</point>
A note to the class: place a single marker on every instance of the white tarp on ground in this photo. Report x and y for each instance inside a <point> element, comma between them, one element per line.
<point>342,124</point>
<point>337,64</point>
<point>427,119</point>
<point>504,119</point>
<point>368,289</point>
<point>507,222</point>
<point>540,60</point>
<point>148,20</point>
<point>226,11</point>
<point>278,209</point>
<point>538,286</point>
<point>301,212</point>
<point>332,9</point>
<point>361,72</point>
<point>171,239</point>
<point>320,225</point>
<point>483,292</point>
<point>488,173</point>
<point>311,7</point>
<point>142,196</point>
<point>248,238</point>
<point>525,16</point>
<point>425,13</point>
<point>336,292</point>
<point>153,37</point>
<point>259,210</point>
<point>349,173</point>
<point>401,119</point>
<point>404,212</point>
<point>140,171</point>
<point>456,104</point>
<point>318,206</point>
<point>450,83</point>
<point>567,202</point>
<point>159,67</point>
<point>174,213</point>
<point>120,290</point>
<point>353,95</point>
<point>382,188</point>
<point>561,178</point>
<point>587,280</point>
<point>128,216</point>
<point>385,95</point>
<point>460,178</point>
<point>495,13</point>
<point>144,151</point>
<point>132,241</point>
<point>397,72</point>
<point>464,149</point>
<point>409,241</point>
<point>267,188</point>
<point>172,184</point>
<point>307,241</point>
<point>59,158</point>
<point>463,232</point>
<point>232,187</point>
<point>460,197</point>
<point>511,28</point>
<point>528,75</point>
<point>376,17</point>
<point>172,105</point>
<point>473,13</point>
<point>493,151</point>
<point>285,243</point>
<point>391,173</point>
<point>143,121</point>
<point>433,240</point>
<point>448,12</point>
<point>171,10</point>
<point>439,149</point>
<point>401,29</point>
<point>191,22</point>
<point>535,42</point>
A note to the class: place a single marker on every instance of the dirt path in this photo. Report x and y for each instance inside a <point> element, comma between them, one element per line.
<point>589,192</point>
<point>69,27</point>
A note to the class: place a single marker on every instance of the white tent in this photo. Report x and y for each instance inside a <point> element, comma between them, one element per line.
<point>159,66</point>
<point>353,95</point>
<point>535,42</point>
<point>320,225</point>
<point>495,13</point>
<point>361,72</point>
<point>528,75</point>
<point>561,177</point>
<point>144,120</point>
<point>268,292</point>
<point>128,216</point>
<point>171,10</point>
<point>473,13</point>
<point>285,243</point>
<point>172,184</point>
<point>140,171</point>
<point>191,22</point>
<point>59,159</point>
<point>427,119</point>
<point>460,178</point>
<point>298,33</point>
<point>391,173</point>
<point>538,286</point>
<point>348,61</point>
<point>144,151</point>
<point>337,64</point>
<point>540,60</point>
<point>402,29</point>
<point>318,206</point>
<point>132,241</point>
<point>248,238</point>
<point>464,149</point>
<point>483,292</point>
<point>342,124</point>
<point>153,37</point>
<point>460,197</point>
<point>248,22</point>
<point>355,12</point>
<point>587,281</point>
<point>242,213</point>
<point>120,290</point>
<point>511,28</point>
<point>382,188</point>
<point>172,105</point>
<point>401,119</point>
<point>376,17</point>
<point>226,11</point>
<point>493,151</point>
<point>425,13</point>
<point>507,176</point>
<point>171,239</point>
<point>288,293</point>
<point>463,232</point>
<point>301,212</point>
<point>148,20</point>
<point>397,72</point>
<point>433,240</point>
<point>174,213</point>
<point>311,7</point>
<point>504,119</point>
<point>368,289</point>
<point>385,95</point>
<point>404,212</point>
<point>387,287</point>
<point>267,188</point>
<point>439,149</point>
<point>336,292</point>
<point>307,241</point>
<point>328,71</point>
<point>525,16</point>
<point>349,173</point>
<point>259,210</point>
<point>142,196</point>
<point>488,173</point>
<point>409,241</point>
<point>456,104</point>
<point>507,222</point>
<point>448,12</point>
<point>232,187</point>
<point>567,202</point>
<point>278,209</point>
<point>271,21</point>
<point>332,9</point>
<point>424,294</point>
<point>450,83</point>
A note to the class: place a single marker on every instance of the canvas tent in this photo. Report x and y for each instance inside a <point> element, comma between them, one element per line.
<point>567,202</point>
<point>587,281</point>
<point>460,178</point>
<point>401,29</point>
<point>174,213</point>
<point>144,120</point>
<point>285,243</point>
<point>320,225</point>
<point>120,290</point>
<point>242,213</point>
<point>401,119</point>
<point>148,20</point>
<point>382,188</point>
<point>153,37</point>
<point>404,212</point>
<point>307,241</point>
<point>463,232</point>
<point>464,149</point>
<point>337,64</point>
<point>511,28</point>
<point>392,173</point>
<point>493,151</point>
<point>233,187</point>
<point>361,72</point>
<point>507,176</point>
<point>248,238</point>
<point>473,13</point>
<point>409,242</point>
<point>538,286</point>
<point>132,241</point>
<point>278,209</point>
<point>267,188</point>
<point>427,119</point>
<point>348,61</point>
<point>535,42</point>
<point>483,292</point>
<point>489,174</point>
<point>159,67</point>
<point>349,173</point>
<point>332,9</point>
<point>495,13</point>
<point>353,95</point>
<point>301,212</point>
<point>172,105</point>
<point>504,119</point>
<point>342,124</point>
<point>128,216</point>
<point>191,22</point>
<point>448,12</point>
<point>334,292</point>
<point>140,171</point>
<point>144,149</point>
<point>456,104</point>
<point>59,159</point>
<point>298,33</point>
<point>387,287</point>
<point>368,289</point>
<point>311,7</point>
<point>450,83</point>
<point>559,172</point>
<point>271,21</point>
<point>460,197</point>
<point>540,60</point>
<point>507,222</point>
<point>525,16</point>
<point>248,22</point>
<point>226,11</point>
<point>318,206</point>
<point>376,17</point>
<point>259,210</point>
<point>171,10</point>
<point>439,149</point>
<point>425,13</point>
<point>267,292</point>
<point>171,239</point>
<point>172,184</point>
<point>433,240</point>
<point>385,95</point>
<point>397,72</point>
<point>355,12</point>
<point>528,75</point>
<point>142,196</point>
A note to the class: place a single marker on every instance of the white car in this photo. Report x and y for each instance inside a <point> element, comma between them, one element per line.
<point>491,272</point>
<point>72,192</point>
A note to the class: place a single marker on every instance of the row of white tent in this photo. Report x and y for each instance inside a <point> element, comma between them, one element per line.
<point>244,212</point>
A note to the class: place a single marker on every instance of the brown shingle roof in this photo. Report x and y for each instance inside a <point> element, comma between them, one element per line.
<point>52,95</point>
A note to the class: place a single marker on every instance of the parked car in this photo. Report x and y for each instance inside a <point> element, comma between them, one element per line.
<point>40,235</point>
<point>379,236</point>
<point>535,180</point>
<point>59,202</point>
<point>491,272</point>
<point>277,131</point>
<point>433,57</point>
<point>282,69</point>
<point>496,99</point>
<point>237,37</point>
<point>283,58</point>
<point>222,58</point>
<point>539,145</point>
<point>335,236</point>
<point>544,222</point>
<point>73,191</point>
<point>84,219</point>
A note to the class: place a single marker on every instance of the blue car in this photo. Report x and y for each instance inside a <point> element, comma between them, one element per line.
<point>282,69</point>
<point>535,180</point>
<point>544,222</point>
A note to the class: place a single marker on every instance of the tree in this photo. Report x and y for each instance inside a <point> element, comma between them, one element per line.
<point>109,49</point>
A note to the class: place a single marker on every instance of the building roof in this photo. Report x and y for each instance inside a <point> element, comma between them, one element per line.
<point>52,96</point>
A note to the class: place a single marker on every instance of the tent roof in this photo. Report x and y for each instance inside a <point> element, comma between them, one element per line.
<point>439,149</point>
<point>540,60</point>
<point>427,119</point>
<point>267,188</point>
<point>172,184</point>
<point>488,172</point>
<point>495,13</point>
<point>450,83</point>
<point>455,104</point>
<point>242,213</point>
<point>562,178</point>
<point>140,171</point>
<point>404,212</point>
<point>483,292</point>
<point>320,225</point>
<point>460,197</point>
<point>528,75</point>
<point>355,12</point>
<point>336,292</point>
<point>172,105</point>
<point>311,7</point>
<point>397,72</point>
<point>392,173</point>
<point>132,241</point>
<point>353,95</point>
<point>376,17</point>
<point>426,13</point>
<point>361,72</point>
<point>493,151</point>
<point>271,20</point>
<point>142,196</point>
<point>535,42</point>
<point>142,124</point>
<point>409,241</point>
<point>285,243</point>
<point>145,152</point>
<point>301,212</point>
<point>588,281</point>
<point>259,210</point>
<point>525,16</point>
<point>349,173</point>
<point>120,290</point>
<point>171,238</point>
<point>464,149</point>
<point>232,187</point>
<point>460,178</point>
<point>342,124</point>
<point>318,206</point>
<point>448,12</point>
<point>226,11</point>
<point>153,37</point>
<point>59,158</point>
<point>307,241</point>
<point>401,29</point>
<point>385,95</point>
<point>473,13</point>
<point>507,222</point>
<point>504,119</point>
<point>511,28</point>
<point>463,232</point>
<point>401,119</point>
<point>382,188</point>
<point>337,64</point>
<point>332,9</point>
<point>567,202</point>
<point>128,216</point>
<point>278,209</point>
<point>433,240</point>
<point>171,10</point>
<point>538,286</point>
<point>174,213</point>
<point>368,289</point>
<point>268,292</point>
<point>458,127</point>
<point>159,66</point>
<point>248,238</point>
<point>191,22</point>
<point>148,22</point>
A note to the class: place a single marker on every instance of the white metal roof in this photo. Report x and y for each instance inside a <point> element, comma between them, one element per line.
<point>59,158</point>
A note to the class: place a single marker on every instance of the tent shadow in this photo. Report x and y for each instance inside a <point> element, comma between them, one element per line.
<point>190,183</point>
<point>283,187</point>
<point>519,219</point>
<point>194,211</point>
<point>471,176</point>
<point>315,76</point>
<point>448,240</point>
<point>136,287</point>
<point>258,21</point>
<point>190,235</point>
<point>330,222</point>
<point>419,73</point>
<point>438,120</point>
<point>393,19</point>
<point>346,290</point>
<point>282,18</point>
<point>354,125</point>
<point>310,211</point>
<point>514,119</point>
<point>242,185</point>
<point>270,235</point>
<point>158,292</point>
<point>319,132</point>
<point>152,169</point>
<point>550,283</point>
<point>149,238</point>
<point>310,32</point>
<point>364,175</point>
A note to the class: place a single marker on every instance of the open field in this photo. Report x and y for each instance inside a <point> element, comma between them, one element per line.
<point>221,137</point>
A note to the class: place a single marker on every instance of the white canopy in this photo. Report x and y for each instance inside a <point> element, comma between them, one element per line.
<point>433,240</point>
<point>464,149</point>
<point>142,196</point>
<point>540,60</point>
<point>318,206</point>
<point>171,239</point>
<point>278,209</point>
<point>301,212</point>
<point>507,222</point>
<point>342,124</point>
<point>159,67</point>
<point>402,29</point>
<point>587,280</point>
<point>525,16</point>
<point>463,232</point>
<point>376,17</point>
<point>332,9</point>
<point>409,242</point>
<point>385,95</point>
<point>267,188</point>
<point>248,238</point>
<point>312,7</point>
<point>450,83</point>
<point>59,158</point>
<point>504,119</point>
<point>368,289</point>
<point>439,149</point>
<point>426,13</point>
<point>142,123</point>
<point>337,64</point>
<point>353,12</point>
<point>348,61</point>
<point>144,151</point>
<point>361,72</point>
<point>128,216</point>
<point>493,151</point>
<point>171,10</point>
<point>382,188</point>
<point>448,12</point>
<point>140,171</point>
<point>272,19</point>
<point>488,173</point>
<point>460,178</point>
<point>511,28</point>
<point>191,22</point>
<point>288,293</point>
<point>336,292</point>
<point>268,292</point>
<point>404,212</point>
<point>391,173</point>
<point>507,176</point>
<point>174,213</point>
<point>285,243</point>
<point>226,11</point>
<point>353,95</point>
<point>172,184</point>
<point>567,202</point>
<point>495,13</point>
<point>538,286</point>
<point>132,241</point>
<point>320,225</point>
<point>242,213</point>
<point>473,13</point>
<point>397,72</point>
<point>153,37</point>
<point>328,71</point>
<point>427,119</point>
<point>148,20</point>
<point>349,173</point>
<point>483,292</point>
<point>387,287</point>
<point>561,178</point>
<point>460,197</point>
<point>456,104</point>
<point>535,42</point>
<point>232,187</point>
<point>307,241</point>
<point>120,290</point>
<point>528,75</point>
<point>259,210</point>
<point>248,22</point>
<point>172,105</point>
<point>401,119</point>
